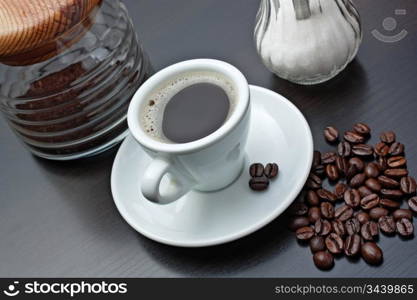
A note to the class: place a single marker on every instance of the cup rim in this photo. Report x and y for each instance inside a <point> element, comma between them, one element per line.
<point>154,81</point>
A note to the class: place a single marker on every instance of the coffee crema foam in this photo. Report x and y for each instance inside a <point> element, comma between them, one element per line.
<point>152,111</point>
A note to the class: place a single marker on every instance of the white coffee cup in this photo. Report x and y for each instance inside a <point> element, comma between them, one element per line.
<point>207,164</point>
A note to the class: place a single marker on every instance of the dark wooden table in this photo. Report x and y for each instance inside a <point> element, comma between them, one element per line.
<point>59,219</point>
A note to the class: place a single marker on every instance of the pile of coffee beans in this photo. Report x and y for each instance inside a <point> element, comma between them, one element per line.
<point>261,175</point>
<point>370,185</point>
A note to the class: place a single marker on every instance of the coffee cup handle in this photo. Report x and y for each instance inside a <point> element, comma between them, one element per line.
<point>179,185</point>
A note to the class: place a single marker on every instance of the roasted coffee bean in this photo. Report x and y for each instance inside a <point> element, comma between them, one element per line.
<point>298,209</point>
<point>323,260</point>
<point>331,134</point>
<point>387,224</point>
<point>352,198</point>
<point>319,170</point>
<point>357,180</point>
<point>304,233</point>
<point>314,182</point>
<point>408,185</point>
<point>339,228</point>
<point>363,217</point>
<point>352,245</point>
<point>322,227</point>
<point>311,198</point>
<point>343,213</point>
<point>364,191</point>
<point>316,158</point>
<point>390,204</point>
<point>362,129</point>
<point>388,137</point>
<point>369,230</point>
<point>377,212</point>
<point>327,210</point>
<point>370,201</point>
<point>314,214</point>
<point>332,172</point>
<point>298,222</point>
<point>402,213</point>
<point>353,137</point>
<point>317,244</point>
<point>351,172</point>
<point>396,173</point>
<point>381,149</point>
<point>371,253</point>
<point>271,170</point>
<point>334,243</point>
<point>373,185</point>
<point>396,149</point>
<point>256,170</point>
<point>396,161</point>
<point>382,163</point>
<point>358,163</point>
<point>392,194</point>
<point>326,195</point>
<point>340,190</point>
<point>372,170</point>
<point>344,149</point>
<point>328,158</point>
<point>341,165</point>
<point>352,226</point>
<point>387,182</point>
<point>405,227</point>
<point>362,150</point>
<point>259,183</point>
<point>412,204</point>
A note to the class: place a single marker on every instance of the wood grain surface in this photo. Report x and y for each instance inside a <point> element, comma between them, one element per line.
<point>59,219</point>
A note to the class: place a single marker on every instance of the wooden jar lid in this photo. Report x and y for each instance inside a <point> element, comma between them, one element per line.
<point>29,28</point>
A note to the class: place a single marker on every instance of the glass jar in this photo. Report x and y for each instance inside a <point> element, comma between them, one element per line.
<point>67,97</point>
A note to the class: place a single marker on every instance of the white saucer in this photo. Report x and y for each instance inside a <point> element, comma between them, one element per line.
<point>278,133</point>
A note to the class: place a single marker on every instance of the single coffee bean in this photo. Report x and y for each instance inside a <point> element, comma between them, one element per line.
<point>402,213</point>
<point>388,137</point>
<point>351,172</point>
<point>390,204</point>
<point>358,163</point>
<point>313,181</point>
<point>392,194</point>
<point>271,170</point>
<point>332,172</point>
<point>364,191</point>
<point>328,158</point>
<point>405,227</point>
<point>298,222</point>
<point>357,180</point>
<point>344,149</point>
<point>259,183</point>
<point>327,210</point>
<point>341,165</point>
<point>353,137</point>
<point>340,190</point>
<point>396,162</point>
<point>317,244</point>
<point>387,224</point>
<point>408,185</point>
<point>316,158</point>
<point>412,204</point>
<point>352,245</point>
<point>372,170</point>
<point>382,163</point>
<point>326,195</point>
<point>362,129</point>
<point>352,198</point>
<point>334,243</point>
<point>362,150</point>
<point>381,149</point>
<point>373,185</point>
<point>343,213</point>
<point>352,226</point>
<point>331,134</point>
<point>396,173</point>
<point>298,209</point>
<point>370,201</point>
<point>371,253</point>
<point>304,233</point>
<point>339,228</point>
<point>322,227</point>
<point>378,212</point>
<point>396,149</point>
<point>314,214</point>
<point>311,198</point>
<point>387,182</point>
<point>363,217</point>
<point>319,170</point>
<point>323,260</point>
<point>256,170</point>
<point>369,230</point>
